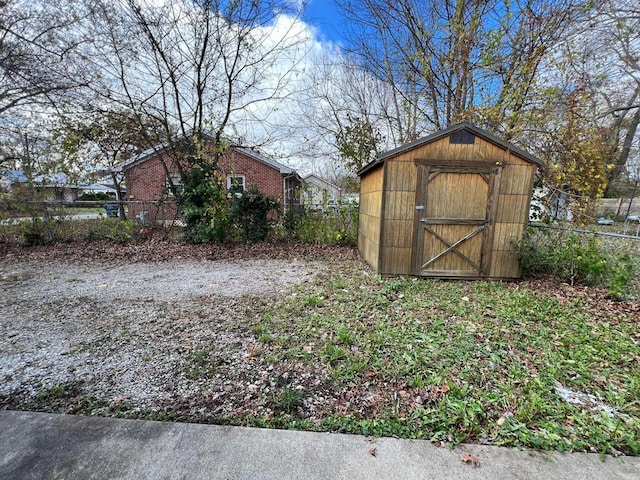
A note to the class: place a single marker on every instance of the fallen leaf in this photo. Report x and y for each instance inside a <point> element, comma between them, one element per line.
<point>466,458</point>
<point>373,452</point>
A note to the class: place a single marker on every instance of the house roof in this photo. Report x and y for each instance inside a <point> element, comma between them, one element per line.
<point>13,176</point>
<point>261,158</point>
<point>251,153</point>
<point>479,132</point>
<point>52,180</point>
<point>97,188</point>
<point>319,181</point>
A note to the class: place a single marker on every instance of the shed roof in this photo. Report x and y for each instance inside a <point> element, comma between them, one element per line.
<point>479,132</point>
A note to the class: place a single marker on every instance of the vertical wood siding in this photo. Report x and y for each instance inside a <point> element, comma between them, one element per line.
<point>388,219</point>
<point>369,216</point>
<point>398,222</point>
<point>512,216</point>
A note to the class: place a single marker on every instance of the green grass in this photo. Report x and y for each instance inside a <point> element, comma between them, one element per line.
<point>202,364</point>
<point>460,362</point>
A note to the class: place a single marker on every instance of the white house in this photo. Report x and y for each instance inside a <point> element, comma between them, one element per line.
<point>320,192</point>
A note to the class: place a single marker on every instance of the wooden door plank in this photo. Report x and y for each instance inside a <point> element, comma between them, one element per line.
<point>452,247</point>
<point>453,221</point>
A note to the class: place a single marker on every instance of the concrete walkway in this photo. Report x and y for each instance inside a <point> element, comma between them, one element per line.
<point>47,446</point>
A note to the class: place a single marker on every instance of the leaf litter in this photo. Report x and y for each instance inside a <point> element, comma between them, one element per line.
<point>295,336</point>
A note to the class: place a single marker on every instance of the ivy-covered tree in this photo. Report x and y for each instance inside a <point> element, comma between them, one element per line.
<point>201,195</point>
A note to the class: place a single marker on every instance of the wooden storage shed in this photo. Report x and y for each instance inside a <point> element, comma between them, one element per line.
<point>451,205</point>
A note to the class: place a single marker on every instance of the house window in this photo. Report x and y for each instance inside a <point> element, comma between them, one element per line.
<point>174,179</point>
<point>236,184</point>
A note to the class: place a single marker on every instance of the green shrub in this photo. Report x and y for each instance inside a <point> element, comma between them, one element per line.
<point>574,258</point>
<point>112,229</point>
<point>253,214</point>
<point>33,232</point>
<point>37,231</point>
<point>96,197</point>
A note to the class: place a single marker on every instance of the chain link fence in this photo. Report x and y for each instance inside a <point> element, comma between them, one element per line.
<point>38,222</point>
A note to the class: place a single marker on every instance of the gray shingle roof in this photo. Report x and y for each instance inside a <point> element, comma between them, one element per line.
<point>444,133</point>
<point>157,149</point>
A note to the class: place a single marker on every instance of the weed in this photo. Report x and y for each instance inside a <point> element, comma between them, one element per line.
<point>346,336</point>
<point>265,338</point>
<point>333,354</point>
<point>287,400</point>
<point>259,329</point>
<point>314,300</point>
<point>328,227</point>
<point>202,363</point>
<point>56,391</point>
<point>111,229</point>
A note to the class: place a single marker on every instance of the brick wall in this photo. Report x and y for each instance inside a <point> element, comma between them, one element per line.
<point>146,189</point>
<point>146,182</point>
<point>266,178</point>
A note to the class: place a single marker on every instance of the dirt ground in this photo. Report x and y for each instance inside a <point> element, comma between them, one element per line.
<point>131,327</point>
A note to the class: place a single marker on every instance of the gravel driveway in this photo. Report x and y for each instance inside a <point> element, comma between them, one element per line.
<point>133,332</point>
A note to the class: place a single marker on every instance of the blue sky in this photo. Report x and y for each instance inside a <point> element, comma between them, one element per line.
<point>324,15</point>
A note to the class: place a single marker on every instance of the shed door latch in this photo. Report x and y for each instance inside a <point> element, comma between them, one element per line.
<point>419,207</point>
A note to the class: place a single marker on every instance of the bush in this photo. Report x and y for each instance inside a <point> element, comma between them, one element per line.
<point>112,229</point>
<point>96,197</point>
<point>573,258</point>
<point>37,231</point>
<point>253,214</point>
<point>33,232</point>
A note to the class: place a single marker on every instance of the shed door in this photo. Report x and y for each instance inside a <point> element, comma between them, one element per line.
<point>454,219</point>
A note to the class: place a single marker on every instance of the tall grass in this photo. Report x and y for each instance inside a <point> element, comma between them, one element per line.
<point>337,226</point>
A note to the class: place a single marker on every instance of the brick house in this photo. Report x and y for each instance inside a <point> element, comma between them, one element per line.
<point>147,181</point>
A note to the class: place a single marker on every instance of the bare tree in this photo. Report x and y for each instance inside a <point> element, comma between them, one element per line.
<point>192,65</point>
<point>40,69</point>
<point>199,69</point>
<point>39,61</point>
<point>103,139</point>
<point>450,60</point>
<point>615,74</point>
